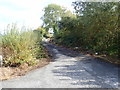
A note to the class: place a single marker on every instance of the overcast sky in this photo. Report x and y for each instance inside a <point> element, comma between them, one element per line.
<point>26,12</point>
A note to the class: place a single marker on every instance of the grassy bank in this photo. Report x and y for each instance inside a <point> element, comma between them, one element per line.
<point>21,47</point>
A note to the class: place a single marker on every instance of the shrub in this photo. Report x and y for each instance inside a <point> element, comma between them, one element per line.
<point>19,47</point>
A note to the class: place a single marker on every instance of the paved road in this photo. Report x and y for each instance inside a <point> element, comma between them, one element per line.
<point>68,70</point>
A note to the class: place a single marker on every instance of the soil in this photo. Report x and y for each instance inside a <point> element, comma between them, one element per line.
<point>12,72</point>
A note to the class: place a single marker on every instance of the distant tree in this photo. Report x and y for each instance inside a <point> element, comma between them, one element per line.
<point>52,14</point>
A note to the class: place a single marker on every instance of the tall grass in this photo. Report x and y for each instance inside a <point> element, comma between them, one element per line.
<point>20,47</point>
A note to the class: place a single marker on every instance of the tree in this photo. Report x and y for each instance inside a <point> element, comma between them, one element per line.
<point>100,22</point>
<point>52,14</point>
<point>95,27</point>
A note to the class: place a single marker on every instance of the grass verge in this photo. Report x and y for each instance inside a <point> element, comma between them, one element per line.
<point>22,51</point>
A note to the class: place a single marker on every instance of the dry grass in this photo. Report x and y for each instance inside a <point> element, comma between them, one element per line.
<point>21,51</point>
<point>14,72</point>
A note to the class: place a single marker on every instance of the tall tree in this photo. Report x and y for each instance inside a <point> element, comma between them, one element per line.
<point>52,14</point>
<point>100,20</point>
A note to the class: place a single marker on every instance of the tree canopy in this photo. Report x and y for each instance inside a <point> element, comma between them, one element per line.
<point>52,14</point>
<point>94,26</point>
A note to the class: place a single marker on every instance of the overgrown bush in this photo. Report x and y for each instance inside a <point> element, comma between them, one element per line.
<point>95,27</point>
<point>19,47</point>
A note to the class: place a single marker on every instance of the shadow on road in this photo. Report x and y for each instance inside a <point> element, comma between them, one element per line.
<point>86,71</point>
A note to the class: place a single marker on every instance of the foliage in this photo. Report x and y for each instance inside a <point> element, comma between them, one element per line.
<point>42,32</point>
<point>95,27</point>
<point>52,15</point>
<point>20,47</point>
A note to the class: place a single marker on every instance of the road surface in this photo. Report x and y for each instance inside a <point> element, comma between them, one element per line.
<point>68,70</point>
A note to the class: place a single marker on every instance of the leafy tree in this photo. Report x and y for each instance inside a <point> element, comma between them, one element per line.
<point>94,26</point>
<point>100,22</point>
<point>52,15</point>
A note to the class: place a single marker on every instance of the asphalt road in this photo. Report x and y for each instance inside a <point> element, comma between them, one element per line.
<point>68,70</point>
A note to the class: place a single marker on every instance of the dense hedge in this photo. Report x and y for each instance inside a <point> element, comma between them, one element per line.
<point>96,27</point>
